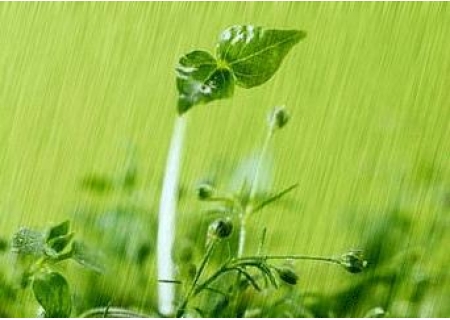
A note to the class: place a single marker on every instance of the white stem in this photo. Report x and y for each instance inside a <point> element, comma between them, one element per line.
<point>166,226</point>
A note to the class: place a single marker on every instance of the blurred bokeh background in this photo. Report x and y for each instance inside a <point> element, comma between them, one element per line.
<point>88,96</point>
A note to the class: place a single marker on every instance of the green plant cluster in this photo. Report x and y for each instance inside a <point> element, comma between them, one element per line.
<point>41,253</point>
<point>223,280</point>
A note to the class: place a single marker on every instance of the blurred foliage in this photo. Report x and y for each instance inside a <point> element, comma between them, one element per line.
<point>404,277</point>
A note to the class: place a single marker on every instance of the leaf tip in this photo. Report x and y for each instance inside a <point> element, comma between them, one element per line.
<point>301,34</point>
<point>182,106</point>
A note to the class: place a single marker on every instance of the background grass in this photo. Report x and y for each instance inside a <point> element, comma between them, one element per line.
<point>367,89</point>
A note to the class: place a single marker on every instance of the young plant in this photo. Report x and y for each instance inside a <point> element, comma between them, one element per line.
<point>246,56</point>
<point>260,271</point>
<point>43,250</point>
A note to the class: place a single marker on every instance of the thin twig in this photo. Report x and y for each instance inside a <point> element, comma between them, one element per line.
<point>198,274</point>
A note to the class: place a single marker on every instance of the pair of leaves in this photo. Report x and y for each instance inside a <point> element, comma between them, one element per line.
<point>247,56</point>
<point>57,245</point>
<point>58,237</point>
<point>52,292</point>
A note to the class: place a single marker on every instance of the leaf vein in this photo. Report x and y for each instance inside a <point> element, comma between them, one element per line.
<point>263,50</point>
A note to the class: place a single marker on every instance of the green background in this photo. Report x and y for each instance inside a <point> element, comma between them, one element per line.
<point>368,91</point>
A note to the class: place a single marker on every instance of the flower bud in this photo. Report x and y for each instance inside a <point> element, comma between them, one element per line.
<point>205,191</point>
<point>220,229</point>
<point>287,275</point>
<point>278,118</point>
<point>353,261</point>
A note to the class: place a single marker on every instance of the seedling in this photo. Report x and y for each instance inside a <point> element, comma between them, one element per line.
<point>46,249</point>
<point>246,56</point>
<point>259,271</point>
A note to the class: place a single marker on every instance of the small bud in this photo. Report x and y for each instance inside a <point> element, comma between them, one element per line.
<point>287,275</point>
<point>205,191</point>
<point>353,261</point>
<point>278,118</point>
<point>220,229</point>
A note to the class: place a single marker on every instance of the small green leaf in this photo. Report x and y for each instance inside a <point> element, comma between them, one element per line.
<point>28,242</point>
<point>86,257</point>
<point>274,198</point>
<point>52,292</point>
<point>288,275</point>
<point>254,54</point>
<point>130,178</point>
<point>60,243</point>
<point>97,183</point>
<point>249,278</point>
<point>201,80</point>
<point>59,230</point>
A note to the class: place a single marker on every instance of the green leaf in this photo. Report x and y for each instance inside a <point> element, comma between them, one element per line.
<point>86,257</point>
<point>60,243</point>
<point>52,292</point>
<point>28,242</point>
<point>254,54</point>
<point>249,278</point>
<point>59,230</point>
<point>274,198</point>
<point>97,183</point>
<point>201,80</point>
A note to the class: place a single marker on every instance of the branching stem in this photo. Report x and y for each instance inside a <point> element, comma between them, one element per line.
<point>197,276</point>
<point>256,261</point>
<point>291,257</point>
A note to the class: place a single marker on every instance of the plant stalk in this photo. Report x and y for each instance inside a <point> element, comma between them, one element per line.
<point>253,189</point>
<point>290,257</point>
<point>232,265</point>
<point>111,312</point>
<point>167,221</point>
<point>198,274</point>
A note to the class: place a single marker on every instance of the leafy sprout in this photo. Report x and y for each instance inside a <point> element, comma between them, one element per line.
<point>246,56</point>
<point>50,288</point>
